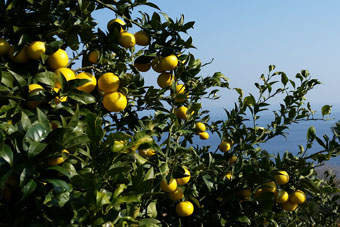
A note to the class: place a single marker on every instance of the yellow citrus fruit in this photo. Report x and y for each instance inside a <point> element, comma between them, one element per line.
<point>57,160</point>
<point>177,194</point>
<point>200,126</point>
<point>156,65</point>
<point>224,146</point>
<point>118,21</point>
<point>281,196</point>
<point>184,209</point>
<point>147,152</point>
<point>181,113</point>
<point>118,145</point>
<point>258,193</point>
<point>142,67</point>
<point>232,159</point>
<point>168,187</point>
<point>289,206</point>
<point>180,90</point>
<point>115,102</point>
<point>127,40</point>
<point>89,86</point>
<point>142,38</point>
<point>165,79</point>
<point>59,99</point>
<point>66,72</point>
<point>203,135</point>
<point>4,47</point>
<point>184,180</point>
<point>20,58</point>
<point>58,59</point>
<point>169,62</point>
<point>297,197</point>
<point>35,49</point>
<point>108,82</point>
<point>244,193</point>
<point>93,56</point>
<point>34,87</point>
<point>269,186</point>
<point>282,177</point>
<point>229,175</point>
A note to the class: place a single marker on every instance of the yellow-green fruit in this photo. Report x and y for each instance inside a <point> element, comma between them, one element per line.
<point>57,160</point>
<point>165,79</point>
<point>115,102</point>
<point>184,209</point>
<point>232,159</point>
<point>118,145</point>
<point>89,86</point>
<point>269,187</point>
<point>289,206</point>
<point>117,20</point>
<point>108,83</point>
<point>20,58</point>
<point>147,152</point>
<point>156,65</point>
<point>203,135</point>
<point>282,177</point>
<point>258,193</point>
<point>35,50</point>
<point>169,62</point>
<point>168,187</point>
<point>184,180</point>
<point>181,113</point>
<point>297,197</point>
<point>281,196</point>
<point>127,40</point>
<point>142,38</point>
<point>66,72</point>
<point>58,59</point>
<point>200,127</point>
<point>177,194</point>
<point>4,47</point>
<point>93,56</point>
<point>224,146</point>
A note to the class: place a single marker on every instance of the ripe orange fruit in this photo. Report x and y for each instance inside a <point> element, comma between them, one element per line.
<point>66,72</point>
<point>20,58</point>
<point>59,99</point>
<point>156,65</point>
<point>93,56</point>
<point>269,186</point>
<point>58,160</point>
<point>184,180</point>
<point>177,194</point>
<point>89,86</point>
<point>58,59</point>
<point>34,88</point>
<point>165,79</point>
<point>142,67</point>
<point>147,152</point>
<point>282,177</point>
<point>169,63</point>
<point>181,113</point>
<point>229,175</point>
<point>180,90</point>
<point>118,21</point>
<point>200,126</point>
<point>115,102</point>
<point>281,196</point>
<point>289,206</point>
<point>244,193</point>
<point>127,40</point>
<point>258,193</point>
<point>108,82</point>
<point>184,209</point>
<point>4,47</point>
<point>232,159</point>
<point>224,146</point>
<point>142,38</point>
<point>297,197</point>
<point>168,187</point>
<point>35,49</point>
<point>203,135</point>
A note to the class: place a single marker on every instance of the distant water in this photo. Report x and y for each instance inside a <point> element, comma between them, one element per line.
<point>297,135</point>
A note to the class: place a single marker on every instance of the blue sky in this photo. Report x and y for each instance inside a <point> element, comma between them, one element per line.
<point>244,37</point>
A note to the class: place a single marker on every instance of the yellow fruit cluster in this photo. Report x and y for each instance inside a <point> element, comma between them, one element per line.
<point>200,128</point>
<point>183,208</point>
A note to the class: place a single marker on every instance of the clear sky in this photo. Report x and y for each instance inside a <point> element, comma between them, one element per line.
<point>244,37</point>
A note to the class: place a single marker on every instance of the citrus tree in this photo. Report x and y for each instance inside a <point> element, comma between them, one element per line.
<point>84,141</point>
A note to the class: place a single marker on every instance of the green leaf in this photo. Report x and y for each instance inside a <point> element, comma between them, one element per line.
<point>74,120</point>
<point>149,222</point>
<point>208,181</point>
<point>76,140</point>
<point>36,133</point>
<point>60,169</point>
<point>119,189</point>
<point>127,199</point>
<point>326,110</point>
<point>311,133</point>
<point>244,219</point>
<point>7,79</point>
<point>28,188</point>
<point>6,153</point>
<point>102,198</point>
<point>94,129</point>
<point>58,183</point>
<point>81,97</point>
<point>43,120</point>
<point>239,91</point>
<point>35,148</point>
<point>152,209</point>
<point>46,78</point>
<point>22,82</point>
